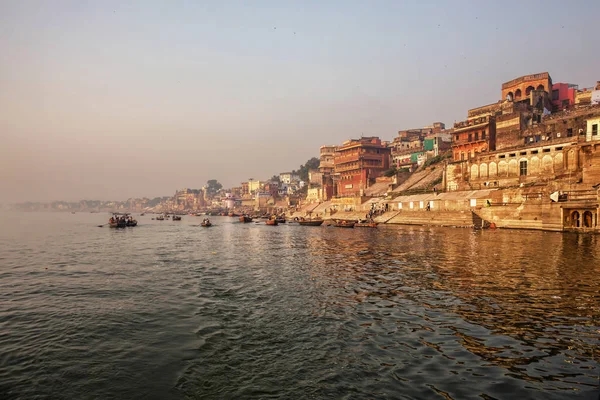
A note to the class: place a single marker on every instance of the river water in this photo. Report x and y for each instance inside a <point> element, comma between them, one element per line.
<point>249,311</point>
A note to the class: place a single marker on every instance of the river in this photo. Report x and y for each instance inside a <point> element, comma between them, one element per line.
<point>248,311</point>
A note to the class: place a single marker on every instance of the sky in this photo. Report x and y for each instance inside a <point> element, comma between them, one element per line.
<point>110,100</point>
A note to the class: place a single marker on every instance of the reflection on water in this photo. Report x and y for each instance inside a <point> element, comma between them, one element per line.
<point>249,311</point>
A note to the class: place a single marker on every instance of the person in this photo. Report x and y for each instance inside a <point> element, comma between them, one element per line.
<point>428,207</point>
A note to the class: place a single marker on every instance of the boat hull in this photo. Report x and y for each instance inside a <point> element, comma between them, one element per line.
<point>311,223</point>
<point>245,220</point>
<point>366,225</point>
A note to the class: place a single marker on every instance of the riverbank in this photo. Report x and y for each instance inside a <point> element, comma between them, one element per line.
<point>576,210</point>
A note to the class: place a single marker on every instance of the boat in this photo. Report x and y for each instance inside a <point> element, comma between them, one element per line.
<point>344,224</point>
<point>118,224</point>
<point>245,219</point>
<point>206,223</point>
<point>280,220</point>
<point>176,218</point>
<point>142,214</point>
<point>160,218</point>
<point>366,224</point>
<point>310,222</point>
<point>119,220</point>
<point>272,222</point>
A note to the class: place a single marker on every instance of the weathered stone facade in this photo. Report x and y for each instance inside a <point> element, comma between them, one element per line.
<point>520,88</point>
<point>474,136</point>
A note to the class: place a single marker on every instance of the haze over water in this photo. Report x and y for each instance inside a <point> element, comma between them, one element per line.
<point>172,310</point>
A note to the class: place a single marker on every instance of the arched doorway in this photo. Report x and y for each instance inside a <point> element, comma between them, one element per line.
<point>518,94</point>
<point>575,219</point>
<point>509,96</point>
<point>588,219</point>
<point>528,90</point>
<point>540,87</point>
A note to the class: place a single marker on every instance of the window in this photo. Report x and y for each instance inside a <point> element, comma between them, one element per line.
<point>482,135</point>
<point>555,94</point>
<point>476,135</point>
<point>470,137</point>
<point>569,132</point>
<point>523,168</point>
<point>594,129</point>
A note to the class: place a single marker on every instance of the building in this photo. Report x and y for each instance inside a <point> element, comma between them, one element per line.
<point>593,125</point>
<point>473,136</point>
<point>358,162</point>
<point>563,96</point>
<point>521,88</point>
<point>245,188</point>
<point>438,143</point>
<point>326,159</point>
<point>254,186</point>
<point>288,177</point>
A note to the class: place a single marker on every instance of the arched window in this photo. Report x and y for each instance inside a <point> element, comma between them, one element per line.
<point>575,219</point>
<point>587,219</point>
<point>509,96</point>
<point>518,94</point>
<point>528,90</point>
<point>540,87</point>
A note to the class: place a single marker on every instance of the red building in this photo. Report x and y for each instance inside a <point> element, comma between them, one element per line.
<point>563,95</point>
<point>473,136</point>
<point>358,162</point>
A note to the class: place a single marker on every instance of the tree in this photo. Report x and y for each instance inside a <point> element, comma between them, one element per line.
<point>275,178</point>
<point>213,186</point>
<point>390,172</point>
<point>313,163</point>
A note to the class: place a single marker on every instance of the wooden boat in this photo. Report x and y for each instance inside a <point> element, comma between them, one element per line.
<point>344,224</point>
<point>272,222</point>
<point>176,218</point>
<point>280,220</point>
<point>119,224</point>
<point>160,218</point>
<point>311,222</point>
<point>206,224</point>
<point>366,225</point>
<point>245,219</point>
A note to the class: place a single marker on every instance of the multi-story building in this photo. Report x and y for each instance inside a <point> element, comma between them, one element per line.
<point>327,155</point>
<point>473,136</point>
<point>358,162</point>
<point>521,88</point>
<point>563,95</point>
<point>288,177</point>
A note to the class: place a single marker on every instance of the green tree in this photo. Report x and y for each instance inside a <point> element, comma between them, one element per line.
<point>390,172</point>
<point>313,163</point>
<point>213,186</point>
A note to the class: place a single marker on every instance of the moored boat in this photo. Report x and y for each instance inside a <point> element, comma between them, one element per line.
<point>344,224</point>
<point>272,222</point>
<point>365,224</point>
<point>176,217</point>
<point>245,219</point>
<point>311,222</point>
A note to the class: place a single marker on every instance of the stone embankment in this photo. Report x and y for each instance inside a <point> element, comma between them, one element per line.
<point>504,208</point>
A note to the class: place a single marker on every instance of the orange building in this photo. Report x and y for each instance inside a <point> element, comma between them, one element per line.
<point>476,135</point>
<point>520,89</point>
<point>358,162</point>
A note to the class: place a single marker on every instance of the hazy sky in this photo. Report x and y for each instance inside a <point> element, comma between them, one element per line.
<point>109,100</point>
